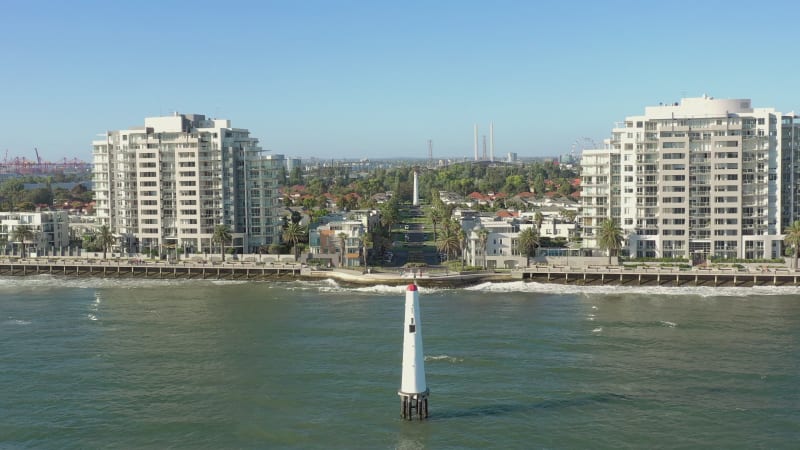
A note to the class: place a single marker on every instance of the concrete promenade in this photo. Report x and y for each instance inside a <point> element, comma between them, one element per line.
<point>426,277</point>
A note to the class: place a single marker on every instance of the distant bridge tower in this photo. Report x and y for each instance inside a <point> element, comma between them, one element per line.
<point>491,141</point>
<point>430,152</point>
<point>476,142</point>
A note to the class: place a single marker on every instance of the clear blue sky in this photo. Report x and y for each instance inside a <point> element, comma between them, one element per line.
<point>376,78</point>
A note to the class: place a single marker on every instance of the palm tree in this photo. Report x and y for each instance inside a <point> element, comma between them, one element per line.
<point>483,240</point>
<point>362,251</point>
<point>609,237</point>
<point>568,215</point>
<point>527,241</point>
<point>449,241</point>
<point>462,242</point>
<point>294,233</point>
<point>22,233</point>
<point>105,239</point>
<point>222,233</point>
<point>538,218</point>
<point>435,214</point>
<point>342,244</point>
<point>793,239</point>
<point>366,243</point>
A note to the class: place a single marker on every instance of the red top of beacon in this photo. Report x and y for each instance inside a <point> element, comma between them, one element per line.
<point>412,287</point>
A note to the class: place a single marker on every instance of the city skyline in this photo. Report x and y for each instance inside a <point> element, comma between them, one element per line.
<point>364,80</point>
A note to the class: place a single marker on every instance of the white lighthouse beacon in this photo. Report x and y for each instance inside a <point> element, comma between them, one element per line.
<point>413,388</point>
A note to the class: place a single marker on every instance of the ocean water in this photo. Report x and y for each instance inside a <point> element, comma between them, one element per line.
<point>88,363</point>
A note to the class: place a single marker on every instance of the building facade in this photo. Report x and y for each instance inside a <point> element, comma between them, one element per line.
<point>341,241</point>
<point>166,185</point>
<point>697,179</point>
<point>50,231</point>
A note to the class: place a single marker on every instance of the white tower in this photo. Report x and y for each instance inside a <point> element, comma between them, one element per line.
<point>413,388</point>
<point>476,142</point>
<point>416,188</point>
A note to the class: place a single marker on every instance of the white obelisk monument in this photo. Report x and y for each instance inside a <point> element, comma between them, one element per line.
<point>413,388</point>
<point>415,199</point>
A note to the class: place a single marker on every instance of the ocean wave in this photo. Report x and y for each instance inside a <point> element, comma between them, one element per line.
<point>17,322</point>
<point>446,358</point>
<point>56,281</point>
<point>333,286</point>
<point>699,291</point>
<point>47,281</point>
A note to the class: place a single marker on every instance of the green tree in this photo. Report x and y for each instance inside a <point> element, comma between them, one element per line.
<point>25,205</point>
<point>565,188</point>
<point>222,234</point>
<point>21,234</point>
<point>609,237</point>
<point>294,233</point>
<point>527,241</point>
<point>296,176</point>
<point>12,190</point>
<point>40,196</point>
<point>538,185</point>
<point>105,239</point>
<point>793,239</point>
<point>390,213</point>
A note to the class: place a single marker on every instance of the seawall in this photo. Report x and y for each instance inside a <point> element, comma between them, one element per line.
<point>283,271</point>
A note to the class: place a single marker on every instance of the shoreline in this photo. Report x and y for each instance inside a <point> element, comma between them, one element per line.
<point>430,277</point>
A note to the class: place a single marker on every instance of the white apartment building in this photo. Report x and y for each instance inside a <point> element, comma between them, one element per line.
<point>50,230</point>
<point>167,184</point>
<point>697,179</point>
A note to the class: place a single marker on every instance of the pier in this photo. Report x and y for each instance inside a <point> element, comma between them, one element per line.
<point>151,269</point>
<point>659,276</point>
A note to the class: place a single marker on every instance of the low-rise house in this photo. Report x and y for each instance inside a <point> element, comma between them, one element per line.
<point>50,231</point>
<point>451,198</point>
<point>325,241</point>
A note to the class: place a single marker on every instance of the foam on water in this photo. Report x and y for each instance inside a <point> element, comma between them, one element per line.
<point>12,321</point>
<point>700,291</point>
<point>446,358</point>
<point>332,286</point>
<point>60,282</point>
